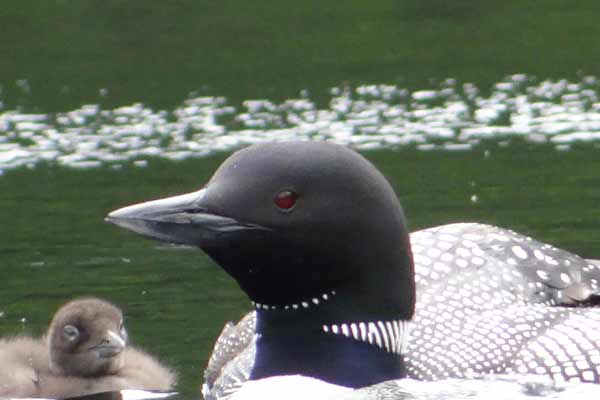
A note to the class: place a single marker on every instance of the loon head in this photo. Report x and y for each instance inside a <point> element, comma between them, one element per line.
<point>299,225</point>
<point>87,338</point>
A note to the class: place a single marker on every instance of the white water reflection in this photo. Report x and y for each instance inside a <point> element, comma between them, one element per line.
<point>455,117</point>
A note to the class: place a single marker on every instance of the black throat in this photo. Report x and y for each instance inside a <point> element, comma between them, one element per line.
<point>333,353</point>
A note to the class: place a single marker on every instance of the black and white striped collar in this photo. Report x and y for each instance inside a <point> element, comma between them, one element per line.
<point>391,336</point>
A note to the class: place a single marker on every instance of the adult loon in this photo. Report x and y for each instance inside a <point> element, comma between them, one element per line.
<point>84,352</point>
<point>316,237</point>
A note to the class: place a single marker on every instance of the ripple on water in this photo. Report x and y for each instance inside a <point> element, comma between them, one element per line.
<point>455,117</point>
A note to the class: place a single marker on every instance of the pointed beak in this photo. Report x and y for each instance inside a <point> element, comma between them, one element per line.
<point>181,219</point>
<point>111,345</point>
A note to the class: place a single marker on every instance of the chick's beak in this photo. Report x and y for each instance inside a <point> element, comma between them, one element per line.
<point>111,345</point>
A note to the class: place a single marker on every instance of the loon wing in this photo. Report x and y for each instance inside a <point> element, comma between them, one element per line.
<point>485,259</point>
<point>492,300</point>
<point>231,360</point>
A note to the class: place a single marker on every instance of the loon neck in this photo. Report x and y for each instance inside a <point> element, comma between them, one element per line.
<point>352,353</point>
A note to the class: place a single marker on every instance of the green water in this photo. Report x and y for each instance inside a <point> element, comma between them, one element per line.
<point>55,244</point>
<point>158,52</point>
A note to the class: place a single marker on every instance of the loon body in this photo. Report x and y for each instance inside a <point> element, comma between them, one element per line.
<point>488,300</point>
<point>316,237</point>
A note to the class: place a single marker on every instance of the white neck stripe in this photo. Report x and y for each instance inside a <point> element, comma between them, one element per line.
<point>391,336</point>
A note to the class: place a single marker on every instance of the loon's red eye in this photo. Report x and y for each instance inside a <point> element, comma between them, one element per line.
<point>286,199</point>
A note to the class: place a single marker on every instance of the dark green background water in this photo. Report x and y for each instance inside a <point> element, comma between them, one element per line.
<point>54,244</point>
<point>158,51</point>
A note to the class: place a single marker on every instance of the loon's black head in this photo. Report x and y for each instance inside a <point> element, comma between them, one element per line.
<point>295,224</point>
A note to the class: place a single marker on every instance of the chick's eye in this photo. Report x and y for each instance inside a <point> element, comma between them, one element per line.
<point>286,200</point>
<point>71,332</point>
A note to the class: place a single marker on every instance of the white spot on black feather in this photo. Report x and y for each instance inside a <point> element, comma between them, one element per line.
<point>519,252</point>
